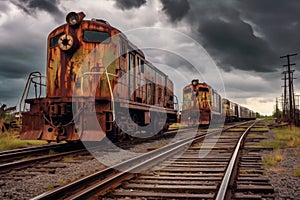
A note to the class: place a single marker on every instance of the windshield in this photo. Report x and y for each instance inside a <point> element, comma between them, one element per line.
<point>95,36</point>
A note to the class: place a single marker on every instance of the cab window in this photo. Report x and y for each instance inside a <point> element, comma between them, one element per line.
<point>95,36</point>
<point>54,39</point>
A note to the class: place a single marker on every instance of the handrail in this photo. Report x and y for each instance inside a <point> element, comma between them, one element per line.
<point>30,79</point>
<point>109,85</point>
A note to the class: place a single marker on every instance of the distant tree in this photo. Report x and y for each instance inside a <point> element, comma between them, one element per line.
<point>258,115</point>
<point>3,114</point>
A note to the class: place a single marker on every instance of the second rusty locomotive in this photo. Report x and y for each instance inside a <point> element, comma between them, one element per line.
<point>95,72</point>
<point>202,104</point>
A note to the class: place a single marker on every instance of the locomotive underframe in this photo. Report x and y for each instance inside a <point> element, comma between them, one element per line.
<point>193,117</point>
<point>57,119</point>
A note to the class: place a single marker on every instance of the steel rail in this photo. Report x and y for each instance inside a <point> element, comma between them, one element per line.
<point>33,148</point>
<point>28,162</point>
<point>223,190</point>
<point>8,156</point>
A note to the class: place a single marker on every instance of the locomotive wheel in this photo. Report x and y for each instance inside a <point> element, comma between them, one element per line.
<point>122,136</point>
<point>117,134</point>
<point>112,135</point>
<point>166,127</point>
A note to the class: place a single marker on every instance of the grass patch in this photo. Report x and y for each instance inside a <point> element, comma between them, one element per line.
<point>63,181</point>
<point>269,120</point>
<point>273,159</point>
<point>296,172</point>
<point>51,152</point>
<point>275,144</point>
<point>246,171</point>
<point>9,141</point>
<point>50,187</point>
<point>257,136</point>
<point>284,137</point>
<point>68,159</point>
<point>290,135</point>
<point>237,129</point>
<point>296,152</point>
<point>178,125</point>
<point>259,129</point>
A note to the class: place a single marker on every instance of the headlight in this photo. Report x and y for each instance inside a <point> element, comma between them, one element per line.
<point>195,82</point>
<point>74,18</point>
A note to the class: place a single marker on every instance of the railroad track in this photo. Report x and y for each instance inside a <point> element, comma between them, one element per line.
<point>29,157</point>
<point>178,171</point>
<point>22,158</point>
<point>26,157</point>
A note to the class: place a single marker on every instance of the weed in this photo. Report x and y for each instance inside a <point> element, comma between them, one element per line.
<point>10,140</point>
<point>237,129</point>
<point>256,136</point>
<point>246,171</point>
<point>297,171</point>
<point>68,159</point>
<point>51,151</point>
<point>284,137</point>
<point>275,144</point>
<point>259,129</point>
<point>62,181</point>
<point>273,159</point>
<point>49,187</point>
<point>296,152</point>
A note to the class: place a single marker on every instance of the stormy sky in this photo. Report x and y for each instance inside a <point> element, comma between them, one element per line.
<point>234,44</point>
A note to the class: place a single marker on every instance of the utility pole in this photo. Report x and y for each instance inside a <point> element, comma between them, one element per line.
<point>290,85</point>
<point>276,110</point>
<point>297,112</point>
<point>282,104</point>
<point>284,98</point>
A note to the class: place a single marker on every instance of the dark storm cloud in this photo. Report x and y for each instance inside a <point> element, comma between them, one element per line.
<point>176,9</point>
<point>278,21</point>
<point>21,52</point>
<point>246,35</point>
<point>234,45</point>
<point>129,4</point>
<point>18,63</point>
<point>11,90</point>
<point>50,6</point>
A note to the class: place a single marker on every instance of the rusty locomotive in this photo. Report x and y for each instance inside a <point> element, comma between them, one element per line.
<point>202,104</point>
<point>95,72</point>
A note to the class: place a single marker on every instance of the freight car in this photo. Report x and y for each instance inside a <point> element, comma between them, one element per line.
<point>245,113</point>
<point>235,112</point>
<point>201,104</point>
<point>95,72</point>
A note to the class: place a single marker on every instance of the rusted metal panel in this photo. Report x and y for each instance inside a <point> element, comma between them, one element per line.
<point>31,126</point>
<point>31,134</point>
<point>66,68</point>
